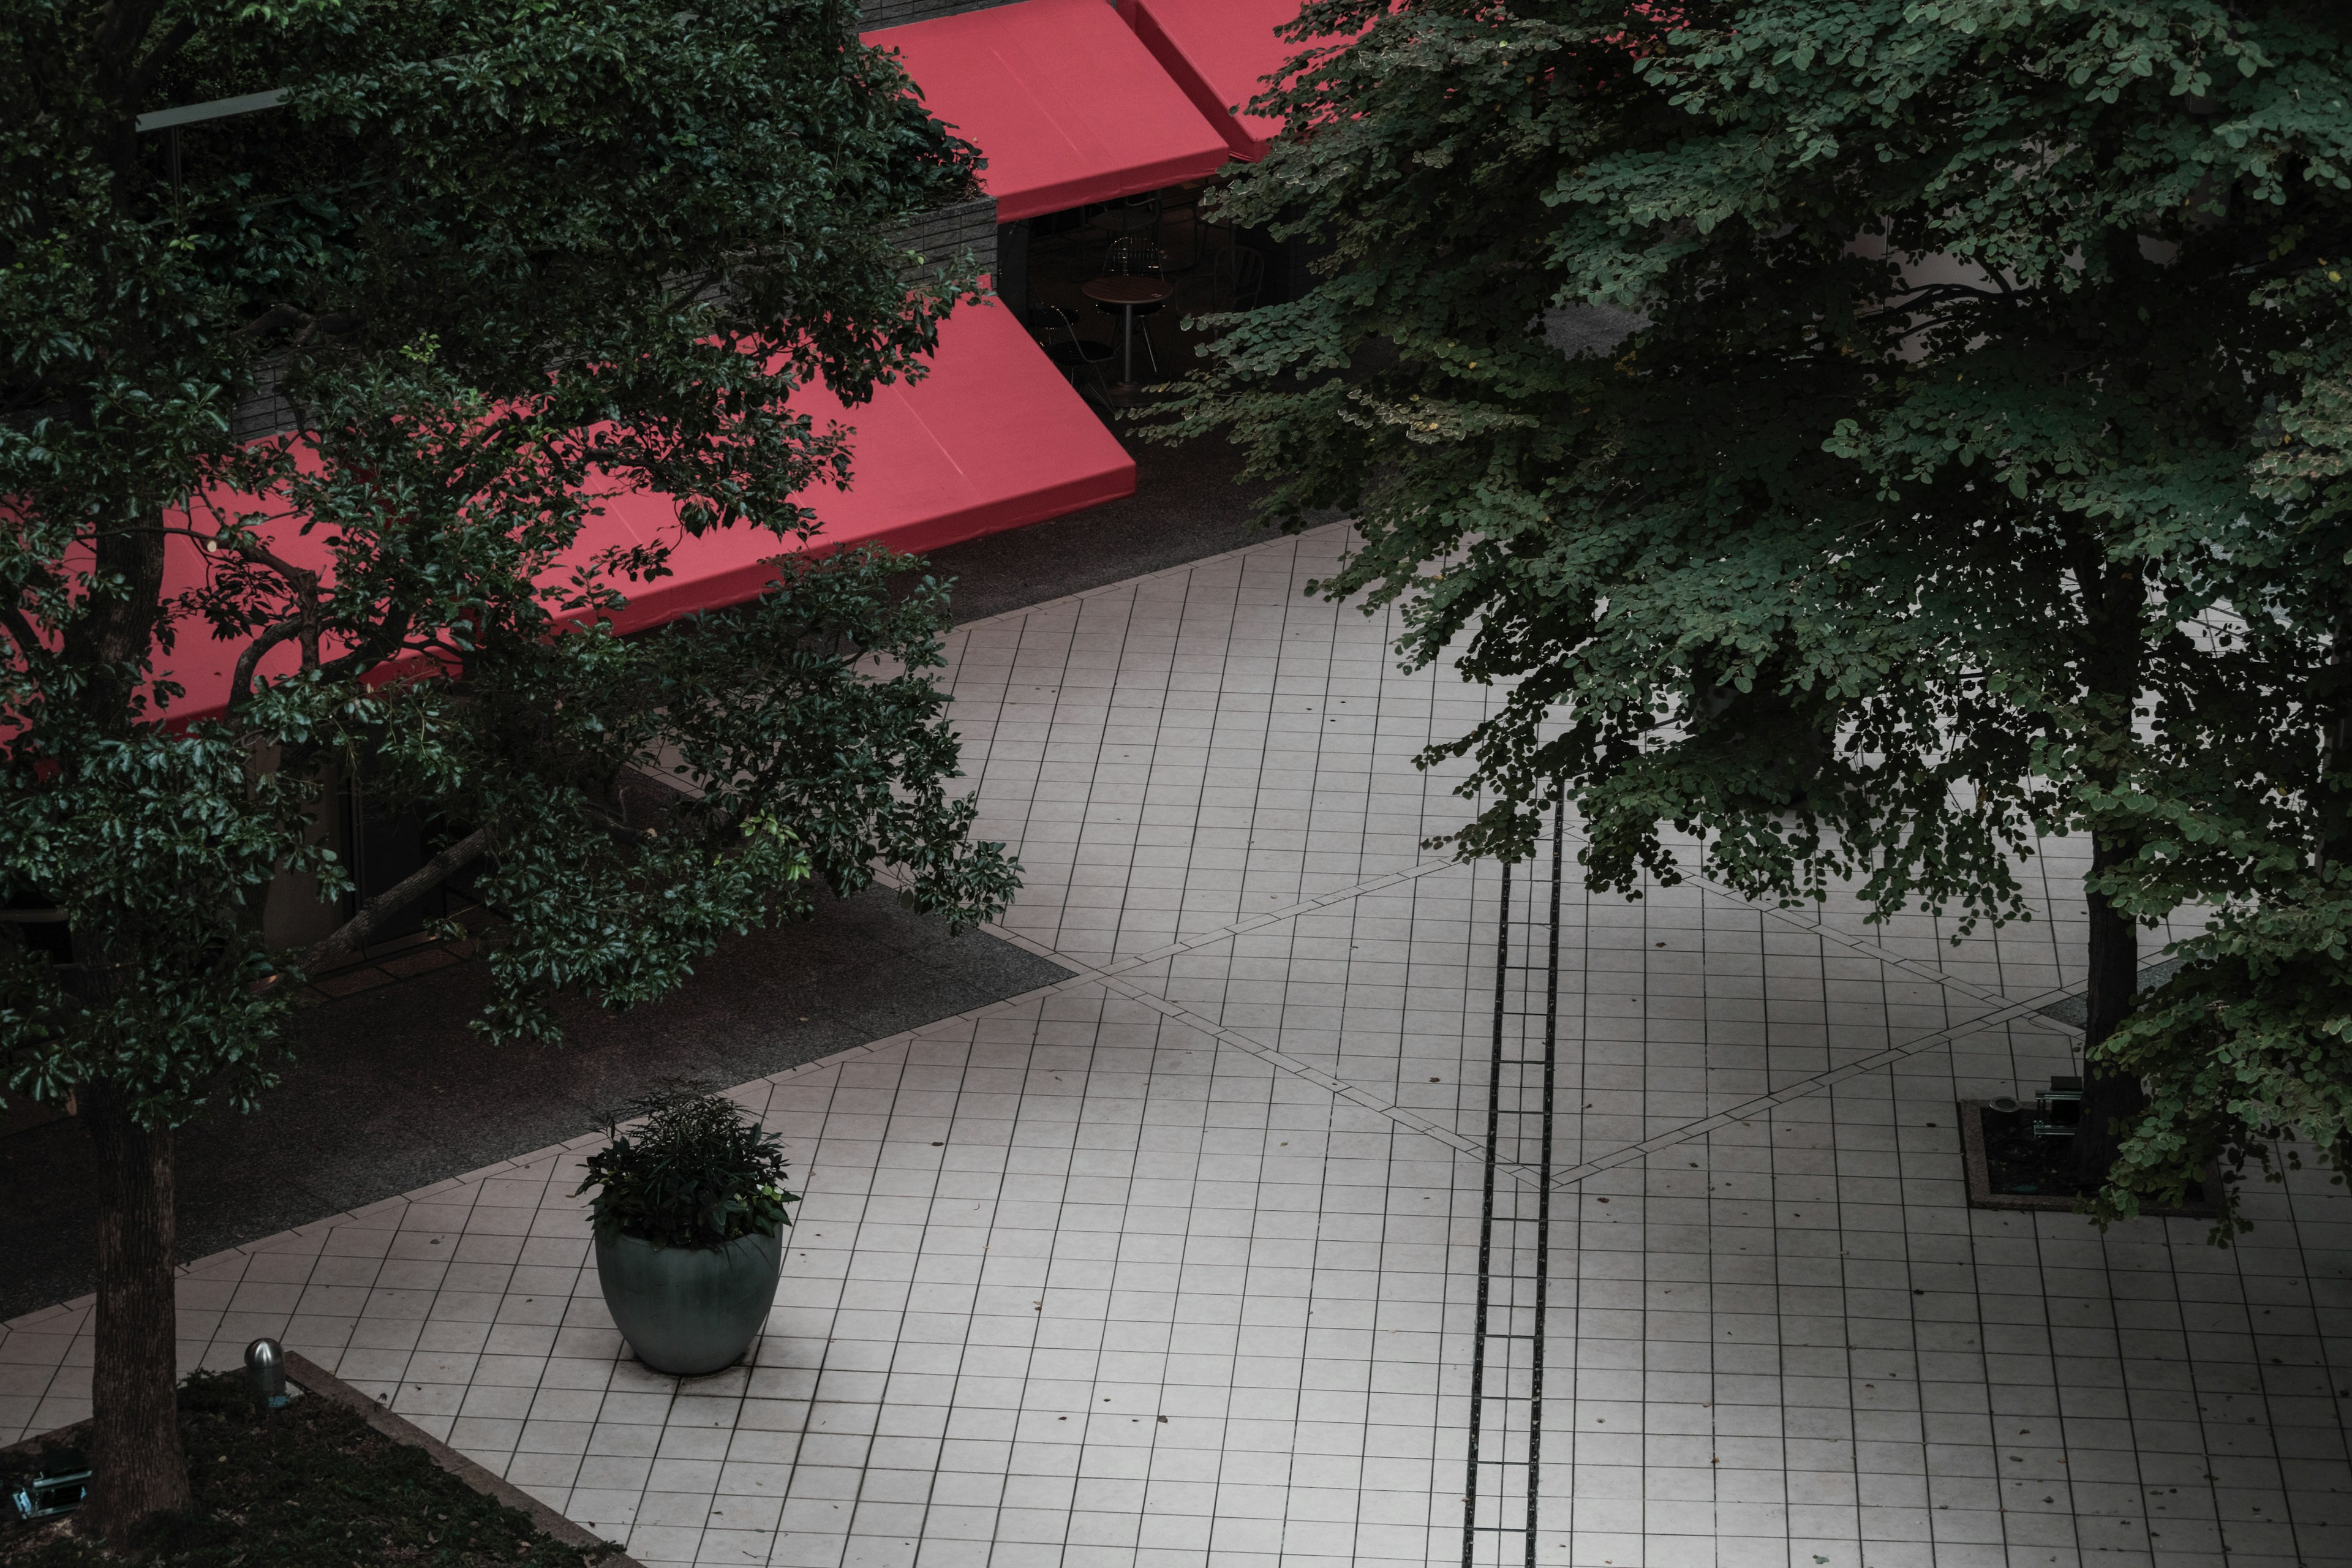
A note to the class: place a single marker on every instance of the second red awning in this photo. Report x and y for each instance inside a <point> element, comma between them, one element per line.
<point>1066,103</point>
<point>992,439</point>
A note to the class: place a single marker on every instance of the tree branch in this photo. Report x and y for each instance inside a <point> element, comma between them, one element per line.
<point>21,630</point>
<point>269,321</point>
<point>1953,291</point>
<point>243,545</point>
<point>143,75</point>
<point>353,933</point>
<point>241,682</point>
<point>120,26</point>
<point>373,650</point>
<point>1926,297</point>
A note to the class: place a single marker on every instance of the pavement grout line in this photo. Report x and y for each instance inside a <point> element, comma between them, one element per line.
<point>1274,917</point>
<point>1803,1088</point>
<point>1815,925</point>
<point>1339,1087</point>
<point>1112,978</point>
<point>1127,585</point>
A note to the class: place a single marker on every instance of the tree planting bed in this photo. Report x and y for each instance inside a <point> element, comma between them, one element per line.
<point>326,1481</point>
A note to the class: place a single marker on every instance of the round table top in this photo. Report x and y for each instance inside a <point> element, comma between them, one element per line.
<point>1124,290</point>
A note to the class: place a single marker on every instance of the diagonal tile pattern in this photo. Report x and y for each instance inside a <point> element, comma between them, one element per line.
<point>1176,1262</point>
<point>1199,746</point>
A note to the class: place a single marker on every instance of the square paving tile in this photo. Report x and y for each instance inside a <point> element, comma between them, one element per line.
<point>1180,1262</point>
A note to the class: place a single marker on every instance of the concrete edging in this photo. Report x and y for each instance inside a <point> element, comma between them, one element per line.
<point>302,1370</point>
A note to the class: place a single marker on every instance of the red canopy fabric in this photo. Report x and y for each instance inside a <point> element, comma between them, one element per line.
<point>1068,105</point>
<point>992,438</point>
<point>1220,52</point>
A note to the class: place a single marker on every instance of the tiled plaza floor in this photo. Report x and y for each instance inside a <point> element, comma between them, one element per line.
<point>1177,1262</point>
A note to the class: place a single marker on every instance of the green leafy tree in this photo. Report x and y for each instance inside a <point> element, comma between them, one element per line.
<point>501,260</point>
<point>1971,467</point>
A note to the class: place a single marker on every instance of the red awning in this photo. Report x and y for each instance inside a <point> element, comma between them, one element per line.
<point>1220,52</point>
<point>1068,104</point>
<point>992,438</point>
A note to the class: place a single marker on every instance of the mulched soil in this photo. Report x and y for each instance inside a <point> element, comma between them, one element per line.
<point>2018,1162</point>
<point>310,1485</point>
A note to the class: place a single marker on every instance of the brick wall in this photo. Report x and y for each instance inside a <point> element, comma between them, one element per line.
<point>879,13</point>
<point>939,235</point>
<point>263,412</point>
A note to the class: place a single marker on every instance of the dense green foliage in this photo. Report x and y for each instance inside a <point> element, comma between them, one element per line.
<point>502,262</point>
<point>1976,472</point>
<point>698,1172</point>
<point>310,1484</point>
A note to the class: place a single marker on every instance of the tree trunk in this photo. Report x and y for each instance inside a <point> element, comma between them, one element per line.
<point>2107,1096</point>
<point>136,1465</point>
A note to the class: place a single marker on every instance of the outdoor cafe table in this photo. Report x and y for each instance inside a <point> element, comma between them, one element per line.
<point>1127,293</point>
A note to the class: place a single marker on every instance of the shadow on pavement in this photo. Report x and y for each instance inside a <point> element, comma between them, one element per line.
<point>390,1091</point>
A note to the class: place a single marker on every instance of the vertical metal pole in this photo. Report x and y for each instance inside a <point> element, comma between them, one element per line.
<point>1543,1188</point>
<point>1486,1228</point>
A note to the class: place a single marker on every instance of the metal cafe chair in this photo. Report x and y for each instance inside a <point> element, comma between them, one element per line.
<point>1179,212</point>
<point>1127,216</point>
<point>1237,278</point>
<point>1137,259</point>
<point>1058,330</point>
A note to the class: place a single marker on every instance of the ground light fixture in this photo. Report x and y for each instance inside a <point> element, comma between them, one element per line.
<point>56,1489</point>
<point>265,1368</point>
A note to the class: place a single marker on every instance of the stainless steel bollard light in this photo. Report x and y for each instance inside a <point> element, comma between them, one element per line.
<point>265,1368</point>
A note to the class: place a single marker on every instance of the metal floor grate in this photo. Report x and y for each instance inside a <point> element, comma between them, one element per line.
<point>1502,1503</point>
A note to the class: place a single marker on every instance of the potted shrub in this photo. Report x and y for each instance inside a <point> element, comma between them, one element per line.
<point>689,1217</point>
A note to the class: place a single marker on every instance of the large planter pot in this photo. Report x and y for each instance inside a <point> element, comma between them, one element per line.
<point>687,1311</point>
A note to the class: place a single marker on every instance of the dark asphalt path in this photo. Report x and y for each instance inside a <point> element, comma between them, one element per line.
<point>1185,506</point>
<point>391,1091</point>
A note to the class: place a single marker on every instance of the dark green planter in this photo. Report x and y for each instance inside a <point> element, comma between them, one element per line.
<point>687,1311</point>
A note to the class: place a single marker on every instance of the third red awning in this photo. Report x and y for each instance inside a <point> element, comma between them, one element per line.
<point>1220,52</point>
<point>1065,102</point>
